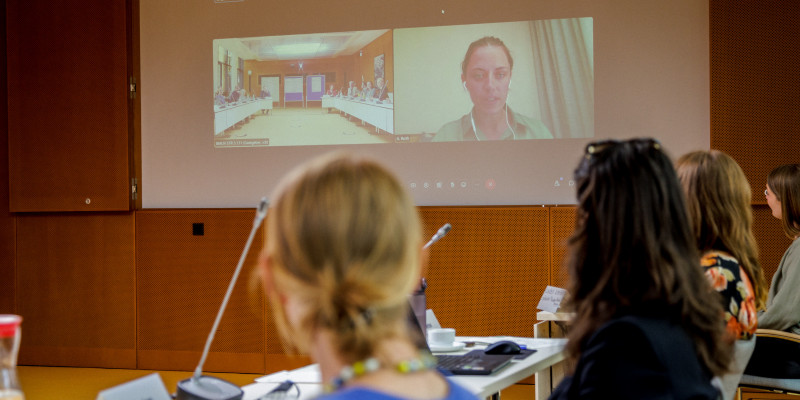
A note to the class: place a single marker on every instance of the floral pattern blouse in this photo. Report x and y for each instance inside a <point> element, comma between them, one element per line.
<point>729,279</point>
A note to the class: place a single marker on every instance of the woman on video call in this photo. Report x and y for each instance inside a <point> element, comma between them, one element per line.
<point>486,75</point>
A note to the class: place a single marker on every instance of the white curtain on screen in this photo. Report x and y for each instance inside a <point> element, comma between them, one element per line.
<point>563,55</point>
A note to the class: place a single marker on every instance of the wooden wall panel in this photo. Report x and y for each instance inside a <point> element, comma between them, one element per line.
<point>68,105</point>
<point>562,222</point>
<point>487,275</point>
<point>76,290</point>
<point>366,60</point>
<point>485,278</point>
<point>7,237</point>
<point>755,85</point>
<point>181,280</point>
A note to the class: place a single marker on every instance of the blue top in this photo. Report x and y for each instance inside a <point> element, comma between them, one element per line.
<point>455,392</point>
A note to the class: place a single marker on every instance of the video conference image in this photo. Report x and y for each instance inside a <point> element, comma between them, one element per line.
<point>461,83</point>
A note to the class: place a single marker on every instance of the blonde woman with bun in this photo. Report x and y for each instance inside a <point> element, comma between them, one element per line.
<point>343,252</point>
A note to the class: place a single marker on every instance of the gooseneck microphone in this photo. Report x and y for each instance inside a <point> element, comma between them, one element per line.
<point>438,235</point>
<point>201,387</point>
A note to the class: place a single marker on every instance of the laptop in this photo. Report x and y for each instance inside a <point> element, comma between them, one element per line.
<point>476,362</point>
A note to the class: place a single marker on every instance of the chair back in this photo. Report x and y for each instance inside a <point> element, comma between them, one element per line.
<point>774,367</point>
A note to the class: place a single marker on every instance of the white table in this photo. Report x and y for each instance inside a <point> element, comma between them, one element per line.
<point>548,352</point>
<point>378,114</point>
<point>232,113</point>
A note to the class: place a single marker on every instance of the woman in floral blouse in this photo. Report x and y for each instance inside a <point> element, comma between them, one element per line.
<point>727,278</point>
<point>718,201</point>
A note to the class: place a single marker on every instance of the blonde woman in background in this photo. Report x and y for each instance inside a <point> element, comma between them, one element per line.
<point>718,202</point>
<point>343,252</point>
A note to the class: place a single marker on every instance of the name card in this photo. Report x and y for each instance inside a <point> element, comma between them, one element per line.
<point>149,387</point>
<point>551,299</point>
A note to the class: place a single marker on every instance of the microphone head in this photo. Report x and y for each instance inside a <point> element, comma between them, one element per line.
<point>261,210</point>
<point>446,227</point>
<point>438,235</point>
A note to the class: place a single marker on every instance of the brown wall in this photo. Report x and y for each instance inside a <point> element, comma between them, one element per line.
<point>68,106</point>
<point>755,92</point>
<point>76,289</point>
<point>122,289</point>
<point>181,279</point>
<point>365,63</point>
<point>755,100</point>
<point>7,220</point>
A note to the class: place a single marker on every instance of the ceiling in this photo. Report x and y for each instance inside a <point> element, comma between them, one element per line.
<point>300,47</point>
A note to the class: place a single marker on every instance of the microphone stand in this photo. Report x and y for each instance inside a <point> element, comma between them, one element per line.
<point>203,387</point>
<point>417,299</point>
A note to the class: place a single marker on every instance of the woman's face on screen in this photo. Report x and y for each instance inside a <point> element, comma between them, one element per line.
<point>487,77</point>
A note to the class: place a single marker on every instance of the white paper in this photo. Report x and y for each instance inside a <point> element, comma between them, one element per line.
<point>149,387</point>
<point>551,299</point>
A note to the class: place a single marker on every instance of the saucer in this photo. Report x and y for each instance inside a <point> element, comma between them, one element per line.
<point>438,348</point>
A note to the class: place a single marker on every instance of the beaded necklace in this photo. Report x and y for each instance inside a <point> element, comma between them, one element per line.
<point>370,365</point>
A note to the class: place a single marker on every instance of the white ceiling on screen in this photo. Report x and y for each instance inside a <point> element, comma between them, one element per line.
<point>308,46</point>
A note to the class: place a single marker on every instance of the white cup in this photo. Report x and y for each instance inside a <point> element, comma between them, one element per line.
<point>441,337</point>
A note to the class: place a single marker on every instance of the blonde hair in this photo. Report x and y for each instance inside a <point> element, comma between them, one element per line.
<point>343,235</point>
<point>718,199</point>
<point>784,182</point>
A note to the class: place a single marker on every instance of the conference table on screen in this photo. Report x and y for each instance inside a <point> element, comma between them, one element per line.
<point>230,114</point>
<point>378,114</point>
<point>549,351</point>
